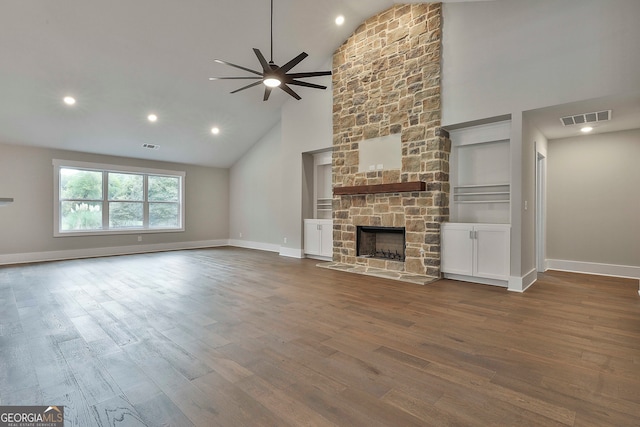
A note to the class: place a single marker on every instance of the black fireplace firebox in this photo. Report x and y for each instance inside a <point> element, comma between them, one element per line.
<point>381,242</point>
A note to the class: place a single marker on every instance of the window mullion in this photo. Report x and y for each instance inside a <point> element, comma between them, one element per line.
<point>145,209</point>
<point>105,200</point>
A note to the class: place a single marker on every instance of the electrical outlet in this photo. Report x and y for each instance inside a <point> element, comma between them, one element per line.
<point>139,238</point>
<point>525,205</point>
<point>285,240</point>
<point>240,234</point>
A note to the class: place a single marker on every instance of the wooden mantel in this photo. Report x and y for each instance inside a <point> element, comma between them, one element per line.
<point>399,187</point>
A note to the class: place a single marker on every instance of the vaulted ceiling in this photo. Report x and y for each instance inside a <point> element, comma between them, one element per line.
<point>123,60</point>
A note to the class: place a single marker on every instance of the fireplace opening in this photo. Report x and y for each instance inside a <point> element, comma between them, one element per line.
<point>381,242</point>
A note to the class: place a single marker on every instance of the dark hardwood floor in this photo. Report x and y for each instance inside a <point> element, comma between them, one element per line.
<point>235,337</point>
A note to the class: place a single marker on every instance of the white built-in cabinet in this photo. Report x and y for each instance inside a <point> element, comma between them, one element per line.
<point>476,252</point>
<point>318,238</point>
<point>318,231</point>
<point>476,243</point>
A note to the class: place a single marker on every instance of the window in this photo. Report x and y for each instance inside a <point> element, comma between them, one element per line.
<point>106,199</point>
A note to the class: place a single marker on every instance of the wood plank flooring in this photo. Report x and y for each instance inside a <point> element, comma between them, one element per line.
<point>235,337</point>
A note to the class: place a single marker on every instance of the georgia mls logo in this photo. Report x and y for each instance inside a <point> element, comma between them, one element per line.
<point>31,416</point>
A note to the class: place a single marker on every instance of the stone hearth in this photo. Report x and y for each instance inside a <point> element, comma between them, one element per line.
<point>417,279</point>
<point>386,80</point>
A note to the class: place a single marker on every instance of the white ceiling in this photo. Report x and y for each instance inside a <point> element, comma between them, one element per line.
<point>625,115</point>
<point>124,59</point>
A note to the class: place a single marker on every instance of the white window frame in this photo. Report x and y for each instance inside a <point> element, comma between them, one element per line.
<point>101,167</point>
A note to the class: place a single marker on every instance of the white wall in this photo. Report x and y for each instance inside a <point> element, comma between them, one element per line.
<point>255,196</point>
<point>507,57</point>
<point>277,160</point>
<point>26,226</point>
<point>504,56</point>
<point>306,126</point>
<point>533,141</point>
<point>594,199</point>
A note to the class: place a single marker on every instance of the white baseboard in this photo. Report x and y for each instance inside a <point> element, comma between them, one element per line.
<point>291,252</point>
<point>521,284</point>
<point>254,245</point>
<point>474,279</point>
<point>108,251</point>
<point>627,271</point>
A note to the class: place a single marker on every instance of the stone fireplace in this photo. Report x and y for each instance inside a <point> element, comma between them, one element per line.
<point>386,80</point>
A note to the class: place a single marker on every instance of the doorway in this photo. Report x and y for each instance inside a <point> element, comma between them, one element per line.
<point>541,217</point>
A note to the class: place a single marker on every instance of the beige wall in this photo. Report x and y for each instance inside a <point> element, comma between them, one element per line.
<point>26,226</point>
<point>593,198</point>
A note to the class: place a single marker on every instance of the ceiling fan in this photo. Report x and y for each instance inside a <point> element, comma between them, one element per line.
<point>273,76</point>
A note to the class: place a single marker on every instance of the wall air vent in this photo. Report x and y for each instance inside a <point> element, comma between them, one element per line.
<point>578,119</point>
<point>150,146</point>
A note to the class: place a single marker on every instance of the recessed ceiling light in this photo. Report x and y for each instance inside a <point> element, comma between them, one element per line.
<point>215,130</point>
<point>152,118</point>
<point>586,129</point>
<point>69,100</point>
<point>340,20</point>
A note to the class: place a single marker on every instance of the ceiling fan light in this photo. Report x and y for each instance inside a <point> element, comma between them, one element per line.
<point>272,81</point>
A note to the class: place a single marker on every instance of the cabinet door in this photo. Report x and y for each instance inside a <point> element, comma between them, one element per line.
<point>492,251</point>
<point>311,237</point>
<point>457,249</point>
<point>326,239</point>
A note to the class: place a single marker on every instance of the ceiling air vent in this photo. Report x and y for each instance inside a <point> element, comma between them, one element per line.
<point>150,146</point>
<point>578,119</point>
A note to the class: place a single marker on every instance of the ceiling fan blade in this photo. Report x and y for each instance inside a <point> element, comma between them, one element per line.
<point>305,84</point>
<point>287,89</point>
<point>311,74</point>
<point>237,66</point>
<point>295,61</point>
<point>234,78</point>
<point>248,86</point>
<point>265,65</point>
<point>267,92</point>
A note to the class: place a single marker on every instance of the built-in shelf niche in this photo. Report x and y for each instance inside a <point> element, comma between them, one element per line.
<point>480,174</point>
<point>481,193</point>
<point>322,192</point>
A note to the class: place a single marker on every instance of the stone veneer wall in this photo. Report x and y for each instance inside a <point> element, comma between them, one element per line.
<point>386,80</point>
